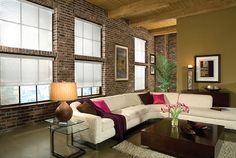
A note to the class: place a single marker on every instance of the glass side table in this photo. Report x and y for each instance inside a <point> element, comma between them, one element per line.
<point>68,128</point>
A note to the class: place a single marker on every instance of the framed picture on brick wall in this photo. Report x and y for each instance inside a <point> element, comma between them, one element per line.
<point>152,69</point>
<point>121,63</point>
<point>152,59</point>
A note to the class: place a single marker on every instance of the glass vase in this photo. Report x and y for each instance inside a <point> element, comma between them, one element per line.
<point>174,122</point>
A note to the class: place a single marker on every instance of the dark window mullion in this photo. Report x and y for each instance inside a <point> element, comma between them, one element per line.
<point>36,93</point>
<point>19,95</point>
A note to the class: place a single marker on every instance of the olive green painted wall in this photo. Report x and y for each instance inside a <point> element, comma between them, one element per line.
<point>210,33</point>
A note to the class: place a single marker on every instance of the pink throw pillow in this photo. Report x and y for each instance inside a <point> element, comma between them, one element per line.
<point>158,99</point>
<point>102,104</point>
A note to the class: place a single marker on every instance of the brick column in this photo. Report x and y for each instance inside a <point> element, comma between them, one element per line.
<point>63,40</point>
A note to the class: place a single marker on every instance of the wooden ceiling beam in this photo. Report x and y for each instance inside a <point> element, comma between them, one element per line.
<point>163,31</point>
<point>202,6</point>
<point>135,9</point>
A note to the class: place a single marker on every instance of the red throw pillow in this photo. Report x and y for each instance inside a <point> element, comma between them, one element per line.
<point>102,104</point>
<point>158,99</point>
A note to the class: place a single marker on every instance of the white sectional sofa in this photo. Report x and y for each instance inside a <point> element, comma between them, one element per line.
<point>135,113</point>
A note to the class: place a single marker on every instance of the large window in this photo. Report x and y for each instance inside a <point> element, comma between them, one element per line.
<point>88,76</point>
<point>87,38</point>
<point>24,79</point>
<point>25,25</point>
<point>139,74</point>
<point>139,50</point>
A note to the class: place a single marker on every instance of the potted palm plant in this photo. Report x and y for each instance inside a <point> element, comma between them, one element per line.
<point>165,72</point>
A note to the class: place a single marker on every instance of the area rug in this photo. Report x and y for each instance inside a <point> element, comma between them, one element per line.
<point>228,150</point>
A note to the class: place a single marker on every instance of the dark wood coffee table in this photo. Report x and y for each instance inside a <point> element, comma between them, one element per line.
<point>165,139</point>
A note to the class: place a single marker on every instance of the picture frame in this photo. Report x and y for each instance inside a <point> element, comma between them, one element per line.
<point>152,69</point>
<point>152,59</point>
<point>207,68</point>
<point>121,63</point>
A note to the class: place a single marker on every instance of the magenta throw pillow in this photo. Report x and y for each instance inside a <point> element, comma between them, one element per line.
<point>102,104</point>
<point>158,99</point>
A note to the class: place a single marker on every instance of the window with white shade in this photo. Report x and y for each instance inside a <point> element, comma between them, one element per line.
<point>139,77</point>
<point>139,50</point>
<point>87,38</point>
<point>24,79</point>
<point>25,25</point>
<point>88,76</point>
<point>139,72</point>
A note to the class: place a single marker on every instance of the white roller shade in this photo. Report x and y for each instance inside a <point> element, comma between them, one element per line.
<point>45,71</point>
<point>139,77</point>
<point>97,75</point>
<point>10,34</point>
<point>29,72</point>
<point>87,38</point>
<point>79,74</point>
<point>25,25</point>
<point>10,10</point>
<point>10,71</point>
<point>139,48</point>
<point>29,15</point>
<point>88,74</point>
<point>45,19</point>
<point>25,70</point>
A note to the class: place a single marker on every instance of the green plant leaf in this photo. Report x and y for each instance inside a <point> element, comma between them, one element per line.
<point>164,72</point>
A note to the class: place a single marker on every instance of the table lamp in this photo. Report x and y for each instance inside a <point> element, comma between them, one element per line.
<point>63,91</point>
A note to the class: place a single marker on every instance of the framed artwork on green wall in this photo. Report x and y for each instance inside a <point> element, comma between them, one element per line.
<point>207,68</point>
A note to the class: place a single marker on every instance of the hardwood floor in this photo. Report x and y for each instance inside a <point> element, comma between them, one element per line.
<point>34,142</point>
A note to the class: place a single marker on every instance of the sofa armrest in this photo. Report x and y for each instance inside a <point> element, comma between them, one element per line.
<point>93,122</point>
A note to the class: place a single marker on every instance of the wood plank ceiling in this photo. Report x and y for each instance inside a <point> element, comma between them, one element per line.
<point>159,16</point>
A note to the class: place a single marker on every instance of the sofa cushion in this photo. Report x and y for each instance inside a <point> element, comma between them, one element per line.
<point>155,107</point>
<point>114,102</point>
<point>86,108</point>
<point>132,112</point>
<point>101,104</point>
<point>158,99</point>
<point>227,114</point>
<point>132,99</point>
<point>170,98</point>
<point>196,100</point>
<point>146,98</point>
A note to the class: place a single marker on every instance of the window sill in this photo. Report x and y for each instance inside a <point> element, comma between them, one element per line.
<point>89,58</point>
<point>31,52</point>
<point>25,105</point>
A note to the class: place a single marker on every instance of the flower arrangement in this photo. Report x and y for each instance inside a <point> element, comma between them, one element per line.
<point>174,111</point>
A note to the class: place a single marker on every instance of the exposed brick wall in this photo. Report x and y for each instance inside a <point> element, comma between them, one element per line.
<point>113,32</point>
<point>24,115</point>
<point>166,45</point>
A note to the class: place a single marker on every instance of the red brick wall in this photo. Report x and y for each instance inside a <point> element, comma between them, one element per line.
<point>113,31</point>
<point>166,45</point>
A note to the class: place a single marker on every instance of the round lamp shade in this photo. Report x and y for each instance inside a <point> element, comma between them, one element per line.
<point>63,91</point>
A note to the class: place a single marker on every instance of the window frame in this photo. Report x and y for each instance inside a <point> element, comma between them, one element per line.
<point>100,87</point>
<point>19,85</point>
<point>21,25</point>
<point>137,63</point>
<point>89,59</point>
<point>101,42</point>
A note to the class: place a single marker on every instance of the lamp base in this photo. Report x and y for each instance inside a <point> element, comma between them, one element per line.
<point>63,112</point>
